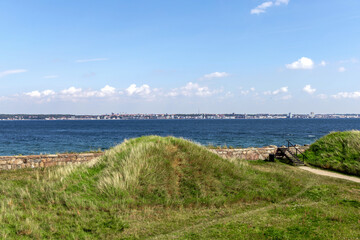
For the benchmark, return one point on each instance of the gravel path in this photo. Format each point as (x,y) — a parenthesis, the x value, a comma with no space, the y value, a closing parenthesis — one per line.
(331,174)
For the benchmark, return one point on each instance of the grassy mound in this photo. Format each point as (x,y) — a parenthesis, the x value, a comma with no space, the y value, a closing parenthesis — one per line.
(156,170)
(168,171)
(339,151)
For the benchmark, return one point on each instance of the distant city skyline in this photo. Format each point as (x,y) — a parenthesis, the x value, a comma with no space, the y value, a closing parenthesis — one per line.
(212,56)
(181,116)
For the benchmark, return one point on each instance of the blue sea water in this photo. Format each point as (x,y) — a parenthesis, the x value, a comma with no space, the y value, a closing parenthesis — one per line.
(36,137)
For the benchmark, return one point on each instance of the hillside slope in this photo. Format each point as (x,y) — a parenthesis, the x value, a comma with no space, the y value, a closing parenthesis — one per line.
(339,151)
(173,171)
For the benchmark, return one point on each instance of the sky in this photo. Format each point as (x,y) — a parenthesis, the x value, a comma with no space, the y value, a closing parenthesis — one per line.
(179,56)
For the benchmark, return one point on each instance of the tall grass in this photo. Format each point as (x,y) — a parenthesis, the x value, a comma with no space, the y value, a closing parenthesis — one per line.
(339,151)
(171,171)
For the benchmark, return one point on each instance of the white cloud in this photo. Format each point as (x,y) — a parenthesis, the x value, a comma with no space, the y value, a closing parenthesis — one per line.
(279,2)
(353,95)
(302,63)
(38,94)
(265,5)
(280,90)
(76,93)
(308,89)
(91,60)
(261,8)
(9,72)
(277,91)
(107,90)
(48,92)
(50,76)
(35,93)
(173,93)
(71,91)
(246,92)
(192,89)
(141,91)
(323,63)
(216,75)
(342,69)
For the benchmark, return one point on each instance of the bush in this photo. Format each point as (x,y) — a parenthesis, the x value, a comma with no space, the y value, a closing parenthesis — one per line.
(339,151)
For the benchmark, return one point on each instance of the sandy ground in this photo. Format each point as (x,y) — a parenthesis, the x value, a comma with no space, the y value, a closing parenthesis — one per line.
(330,174)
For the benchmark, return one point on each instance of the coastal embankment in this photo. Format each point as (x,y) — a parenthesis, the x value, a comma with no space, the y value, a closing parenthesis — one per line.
(36,161)
(253,153)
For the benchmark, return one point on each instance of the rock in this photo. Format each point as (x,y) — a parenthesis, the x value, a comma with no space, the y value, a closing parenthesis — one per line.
(36,160)
(18,161)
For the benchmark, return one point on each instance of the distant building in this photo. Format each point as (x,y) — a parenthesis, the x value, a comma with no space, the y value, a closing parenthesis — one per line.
(312,115)
(290,115)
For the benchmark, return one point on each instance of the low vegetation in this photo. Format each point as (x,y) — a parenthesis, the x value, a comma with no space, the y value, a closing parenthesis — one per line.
(339,151)
(163,188)
(221,147)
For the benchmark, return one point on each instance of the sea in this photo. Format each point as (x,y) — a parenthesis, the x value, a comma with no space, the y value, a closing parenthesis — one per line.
(50,137)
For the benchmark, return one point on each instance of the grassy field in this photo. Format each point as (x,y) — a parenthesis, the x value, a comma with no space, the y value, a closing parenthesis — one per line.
(338,151)
(165,188)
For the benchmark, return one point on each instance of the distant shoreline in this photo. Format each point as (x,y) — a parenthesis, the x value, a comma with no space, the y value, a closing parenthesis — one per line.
(185,119)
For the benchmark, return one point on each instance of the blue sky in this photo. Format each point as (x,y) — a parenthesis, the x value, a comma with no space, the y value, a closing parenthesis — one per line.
(214,56)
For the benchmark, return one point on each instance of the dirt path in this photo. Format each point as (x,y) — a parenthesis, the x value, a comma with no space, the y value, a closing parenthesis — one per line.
(330,174)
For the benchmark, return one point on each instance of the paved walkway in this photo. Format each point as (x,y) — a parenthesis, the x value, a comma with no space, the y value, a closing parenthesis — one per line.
(331,174)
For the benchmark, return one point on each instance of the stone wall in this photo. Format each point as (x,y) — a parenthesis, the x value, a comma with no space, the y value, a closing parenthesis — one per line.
(33,161)
(252,153)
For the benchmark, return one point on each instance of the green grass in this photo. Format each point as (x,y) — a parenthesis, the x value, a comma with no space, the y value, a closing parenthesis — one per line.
(338,151)
(163,188)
